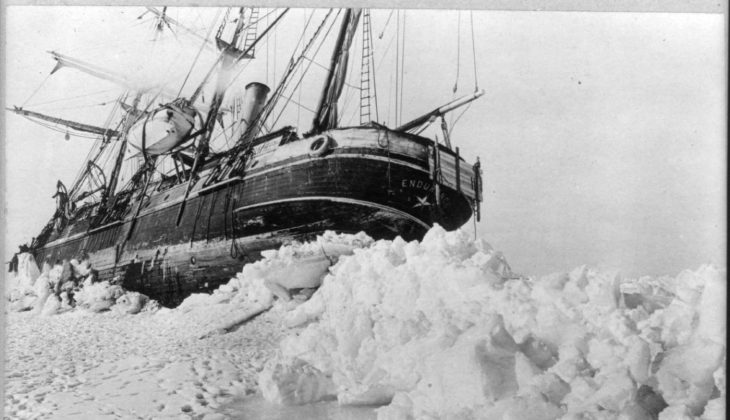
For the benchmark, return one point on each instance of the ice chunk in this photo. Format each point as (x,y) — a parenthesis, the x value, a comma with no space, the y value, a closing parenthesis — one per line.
(638,359)
(616,392)
(98,297)
(715,409)
(478,369)
(131,302)
(51,306)
(294,382)
(676,412)
(531,407)
(719,376)
(685,376)
(713,306)
(20,283)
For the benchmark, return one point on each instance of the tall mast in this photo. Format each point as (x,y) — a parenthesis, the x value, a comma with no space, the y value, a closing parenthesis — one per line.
(230,55)
(129,119)
(228,58)
(326,116)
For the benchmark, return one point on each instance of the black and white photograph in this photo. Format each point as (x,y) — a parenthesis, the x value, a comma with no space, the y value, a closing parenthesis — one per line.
(351,211)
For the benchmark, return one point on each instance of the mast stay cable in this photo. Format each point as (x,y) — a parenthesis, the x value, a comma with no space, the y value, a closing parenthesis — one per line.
(269,107)
(304,71)
(402,66)
(458,51)
(474,51)
(37,89)
(397,63)
(202,47)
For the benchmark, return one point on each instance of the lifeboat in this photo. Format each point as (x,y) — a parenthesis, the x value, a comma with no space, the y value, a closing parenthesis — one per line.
(163,130)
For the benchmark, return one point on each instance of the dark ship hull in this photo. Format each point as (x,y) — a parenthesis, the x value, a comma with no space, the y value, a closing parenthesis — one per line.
(383,182)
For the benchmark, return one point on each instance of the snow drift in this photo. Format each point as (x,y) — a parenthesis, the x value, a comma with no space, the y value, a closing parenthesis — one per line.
(434,330)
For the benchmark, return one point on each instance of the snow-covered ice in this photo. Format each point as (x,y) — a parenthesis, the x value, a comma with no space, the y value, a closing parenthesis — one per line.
(81,365)
(436,329)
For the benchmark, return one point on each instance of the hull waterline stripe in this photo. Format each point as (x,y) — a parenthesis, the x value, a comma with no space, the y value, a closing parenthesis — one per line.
(338,200)
(342,155)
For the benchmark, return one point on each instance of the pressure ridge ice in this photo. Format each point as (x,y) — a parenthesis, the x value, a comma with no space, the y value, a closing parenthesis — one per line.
(436,329)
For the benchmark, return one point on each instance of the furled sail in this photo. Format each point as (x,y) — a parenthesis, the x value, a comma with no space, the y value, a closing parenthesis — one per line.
(326,116)
(106,132)
(101,73)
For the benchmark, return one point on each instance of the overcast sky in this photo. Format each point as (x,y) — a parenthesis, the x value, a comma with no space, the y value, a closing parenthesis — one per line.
(602,135)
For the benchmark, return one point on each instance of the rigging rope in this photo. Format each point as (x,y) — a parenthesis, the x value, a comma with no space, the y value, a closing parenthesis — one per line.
(390,83)
(304,36)
(37,89)
(99,146)
(372,64)
(202,46)
(397,63)
(385,51)
(68,99)
(268,108)
(386,25)
(453,123)
(403,66)
(79,106)
(264,38)
(474,52)
(458,51)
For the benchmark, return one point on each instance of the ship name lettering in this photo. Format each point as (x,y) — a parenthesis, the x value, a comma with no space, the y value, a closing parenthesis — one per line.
(418,184)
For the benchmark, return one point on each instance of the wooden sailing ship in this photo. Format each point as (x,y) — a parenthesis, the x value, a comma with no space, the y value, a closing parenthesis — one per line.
(172,233)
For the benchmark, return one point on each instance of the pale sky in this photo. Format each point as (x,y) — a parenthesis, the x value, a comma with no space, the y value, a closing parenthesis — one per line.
(602,136)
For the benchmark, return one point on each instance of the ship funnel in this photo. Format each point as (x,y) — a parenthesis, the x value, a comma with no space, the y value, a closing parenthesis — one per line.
(253,101)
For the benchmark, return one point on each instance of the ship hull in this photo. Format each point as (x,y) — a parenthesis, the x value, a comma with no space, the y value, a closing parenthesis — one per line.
(222,228)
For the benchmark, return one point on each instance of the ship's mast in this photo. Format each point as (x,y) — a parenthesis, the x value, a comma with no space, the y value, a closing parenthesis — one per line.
(229,57)
(326,116)
(255,127)
(129,119)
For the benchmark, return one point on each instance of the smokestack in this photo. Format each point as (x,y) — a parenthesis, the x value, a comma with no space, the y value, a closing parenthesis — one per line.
(254,99)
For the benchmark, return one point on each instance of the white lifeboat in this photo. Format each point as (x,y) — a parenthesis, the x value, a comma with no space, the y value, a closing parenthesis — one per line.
(167,128)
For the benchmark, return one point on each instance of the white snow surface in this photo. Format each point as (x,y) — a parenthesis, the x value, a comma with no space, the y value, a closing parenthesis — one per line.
(429,330)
